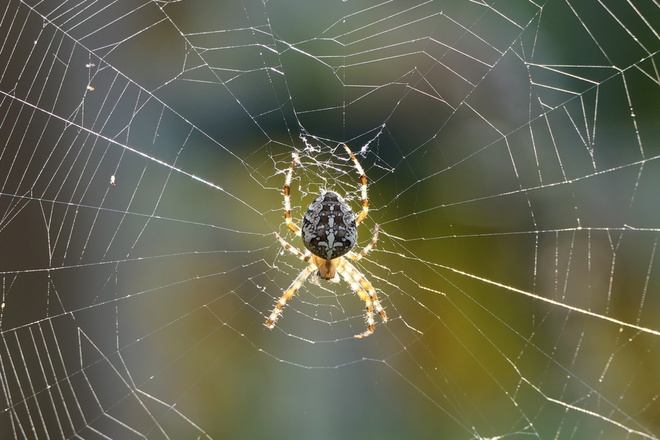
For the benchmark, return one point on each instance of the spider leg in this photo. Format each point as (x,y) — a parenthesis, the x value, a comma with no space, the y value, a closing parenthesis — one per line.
(355,257)
(365,290)
(288,293)
(363,181)
(369,288)
(291,248)
(287,198)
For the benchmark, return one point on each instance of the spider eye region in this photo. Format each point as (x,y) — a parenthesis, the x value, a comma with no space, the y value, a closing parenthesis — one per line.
(328,228)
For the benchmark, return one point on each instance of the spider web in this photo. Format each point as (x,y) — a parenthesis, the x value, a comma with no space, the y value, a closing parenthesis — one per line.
(511,151)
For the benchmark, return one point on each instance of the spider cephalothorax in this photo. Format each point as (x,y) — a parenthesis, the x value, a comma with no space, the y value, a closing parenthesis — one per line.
(329,232)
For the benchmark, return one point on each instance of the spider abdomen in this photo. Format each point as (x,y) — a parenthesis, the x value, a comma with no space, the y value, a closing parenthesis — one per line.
(328,228)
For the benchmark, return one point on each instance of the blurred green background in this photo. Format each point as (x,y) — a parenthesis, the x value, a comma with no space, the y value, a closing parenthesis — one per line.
(511,155)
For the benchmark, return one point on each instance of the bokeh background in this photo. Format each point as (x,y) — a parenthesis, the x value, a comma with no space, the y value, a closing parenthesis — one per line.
(511,151)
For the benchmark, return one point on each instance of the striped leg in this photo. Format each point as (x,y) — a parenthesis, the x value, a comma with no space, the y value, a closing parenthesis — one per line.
(363,181)
(295,286)
(287,198)
(288,293)
(365,290)
(355,257)
(291,248)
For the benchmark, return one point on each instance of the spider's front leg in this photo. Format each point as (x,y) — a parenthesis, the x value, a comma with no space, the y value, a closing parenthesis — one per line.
(297,283)
(288,293)
(365,290)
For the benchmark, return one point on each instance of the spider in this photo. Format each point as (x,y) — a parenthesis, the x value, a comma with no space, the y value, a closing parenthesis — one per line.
(329,232)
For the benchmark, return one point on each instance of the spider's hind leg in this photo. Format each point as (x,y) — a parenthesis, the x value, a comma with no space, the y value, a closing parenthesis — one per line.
(363,186)
(287,197)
